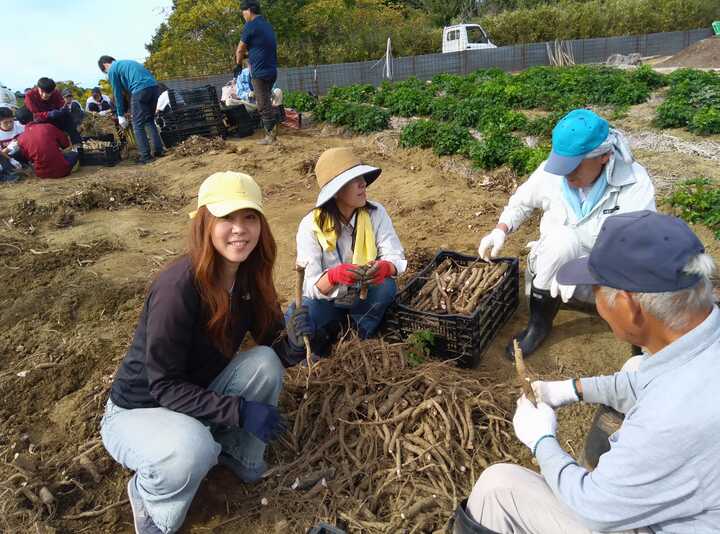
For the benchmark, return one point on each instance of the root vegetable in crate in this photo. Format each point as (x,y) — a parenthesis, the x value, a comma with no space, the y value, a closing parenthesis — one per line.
(456,288)
(462,300)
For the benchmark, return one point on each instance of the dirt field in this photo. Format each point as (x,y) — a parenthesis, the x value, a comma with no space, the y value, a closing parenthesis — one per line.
(76,255)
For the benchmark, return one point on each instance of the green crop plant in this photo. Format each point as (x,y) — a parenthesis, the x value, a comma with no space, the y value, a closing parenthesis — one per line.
(420,345)
(420,133)
(698,201)
(524,160)
(494,149)
(299,101)
(450,138)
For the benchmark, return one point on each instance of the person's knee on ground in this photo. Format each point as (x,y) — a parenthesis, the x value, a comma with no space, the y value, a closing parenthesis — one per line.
(557,246)
(180,468)
(369,314)
(261,376)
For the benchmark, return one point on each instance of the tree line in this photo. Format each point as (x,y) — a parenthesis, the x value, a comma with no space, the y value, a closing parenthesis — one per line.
(200,36)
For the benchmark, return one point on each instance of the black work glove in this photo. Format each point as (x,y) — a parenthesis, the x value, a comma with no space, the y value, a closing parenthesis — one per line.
(261,420)
(300,324)
(57,113)
(237,70)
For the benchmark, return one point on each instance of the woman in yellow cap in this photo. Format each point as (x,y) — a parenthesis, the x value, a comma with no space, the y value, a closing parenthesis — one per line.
(184,398)
(342,232)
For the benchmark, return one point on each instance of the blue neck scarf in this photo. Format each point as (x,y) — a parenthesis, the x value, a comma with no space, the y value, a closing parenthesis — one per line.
(572,196)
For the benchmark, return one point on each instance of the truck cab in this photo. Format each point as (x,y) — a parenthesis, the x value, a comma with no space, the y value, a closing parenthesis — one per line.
(465,37)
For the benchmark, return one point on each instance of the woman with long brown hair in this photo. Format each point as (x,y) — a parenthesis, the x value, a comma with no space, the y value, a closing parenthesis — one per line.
(184,397)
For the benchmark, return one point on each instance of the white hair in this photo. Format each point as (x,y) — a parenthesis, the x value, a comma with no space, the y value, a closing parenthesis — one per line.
(674,308)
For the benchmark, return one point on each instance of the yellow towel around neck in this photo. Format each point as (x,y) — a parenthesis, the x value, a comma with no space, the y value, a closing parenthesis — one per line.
(365,248)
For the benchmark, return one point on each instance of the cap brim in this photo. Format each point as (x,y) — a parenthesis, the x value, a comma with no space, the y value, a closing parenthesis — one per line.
(562,165)
(577,273)
(220,209)
(336,184)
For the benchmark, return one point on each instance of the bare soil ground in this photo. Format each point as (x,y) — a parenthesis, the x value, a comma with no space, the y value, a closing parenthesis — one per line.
(76,255)
(705,53)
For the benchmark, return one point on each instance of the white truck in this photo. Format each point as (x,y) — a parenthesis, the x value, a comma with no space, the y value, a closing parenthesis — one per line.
(465,37)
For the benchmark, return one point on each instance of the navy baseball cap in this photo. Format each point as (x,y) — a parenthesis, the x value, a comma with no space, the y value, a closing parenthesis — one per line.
(578,133)
(640,251)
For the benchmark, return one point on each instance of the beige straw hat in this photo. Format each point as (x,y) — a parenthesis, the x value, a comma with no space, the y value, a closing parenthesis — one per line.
(338,166)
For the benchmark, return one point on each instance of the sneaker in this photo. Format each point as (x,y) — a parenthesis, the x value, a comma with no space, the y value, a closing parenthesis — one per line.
(159,154)
(144,161)
(142,521)
(246,474)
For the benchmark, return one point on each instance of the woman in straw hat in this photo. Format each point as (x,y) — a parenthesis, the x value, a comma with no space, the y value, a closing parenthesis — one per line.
(345,231)
(184,398)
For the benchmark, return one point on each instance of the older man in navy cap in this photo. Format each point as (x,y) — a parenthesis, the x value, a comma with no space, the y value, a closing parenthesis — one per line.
(652,284)
(589,176)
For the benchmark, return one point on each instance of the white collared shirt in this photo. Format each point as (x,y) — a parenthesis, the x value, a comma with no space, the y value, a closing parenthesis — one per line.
(317,261)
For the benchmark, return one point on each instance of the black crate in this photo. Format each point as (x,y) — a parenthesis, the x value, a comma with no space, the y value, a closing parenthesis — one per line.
(460,337)
(173,137)
(108,156)
(202,95)
(238,121)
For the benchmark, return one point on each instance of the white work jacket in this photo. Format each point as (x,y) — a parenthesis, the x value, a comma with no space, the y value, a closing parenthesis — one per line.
(317,261)
(629,189)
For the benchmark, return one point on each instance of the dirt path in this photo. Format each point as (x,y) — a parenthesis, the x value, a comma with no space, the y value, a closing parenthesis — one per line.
(76,255)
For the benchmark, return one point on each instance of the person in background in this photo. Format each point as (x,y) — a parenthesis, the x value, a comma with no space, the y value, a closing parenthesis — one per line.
(186,395)
(652,282)
(259,43)
(163,102)
(245,91)
(342,232)
(7,98)
(131,76)
(73,106)
(42,144)
(47,105)
(589,176)
(10,130)
(99,103)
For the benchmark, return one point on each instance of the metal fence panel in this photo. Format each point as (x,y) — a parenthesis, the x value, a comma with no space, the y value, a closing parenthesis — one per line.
(318,79)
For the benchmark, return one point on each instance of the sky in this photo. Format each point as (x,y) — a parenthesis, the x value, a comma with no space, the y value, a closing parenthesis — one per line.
(64,39)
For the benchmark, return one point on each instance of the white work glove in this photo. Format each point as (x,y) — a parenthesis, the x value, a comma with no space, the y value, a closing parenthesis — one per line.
(251,94)
(494,241)
(557,289)
(555,393)
(533,423)
(123,122)
(15,163)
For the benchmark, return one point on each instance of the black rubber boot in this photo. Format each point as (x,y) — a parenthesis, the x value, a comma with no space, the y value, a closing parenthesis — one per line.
(543,309)
(463,523)
(605,423)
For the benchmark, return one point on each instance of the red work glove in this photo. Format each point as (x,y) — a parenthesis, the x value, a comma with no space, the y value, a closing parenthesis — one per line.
(343,274)
(380,270)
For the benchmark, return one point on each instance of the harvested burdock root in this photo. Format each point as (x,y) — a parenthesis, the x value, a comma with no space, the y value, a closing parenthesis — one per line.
(458,289)
(384,446)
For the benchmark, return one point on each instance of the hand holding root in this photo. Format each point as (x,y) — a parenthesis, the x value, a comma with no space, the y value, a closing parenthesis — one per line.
(299,282)
(523,374)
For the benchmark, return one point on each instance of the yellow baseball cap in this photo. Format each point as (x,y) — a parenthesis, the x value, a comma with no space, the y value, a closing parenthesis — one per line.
(225,192)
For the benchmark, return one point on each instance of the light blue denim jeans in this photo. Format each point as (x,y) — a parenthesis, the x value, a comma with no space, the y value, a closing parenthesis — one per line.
(171,452)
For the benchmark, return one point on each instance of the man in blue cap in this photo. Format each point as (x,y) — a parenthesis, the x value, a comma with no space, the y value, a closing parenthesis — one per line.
(589,176)
(652,284)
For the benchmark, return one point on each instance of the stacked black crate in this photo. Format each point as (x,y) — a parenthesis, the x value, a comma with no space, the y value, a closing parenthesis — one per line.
(191,112)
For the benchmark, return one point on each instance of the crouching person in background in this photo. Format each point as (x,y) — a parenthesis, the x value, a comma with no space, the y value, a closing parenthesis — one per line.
(652,284)
(590,175)
(184,397)
(42,145)
(342,233)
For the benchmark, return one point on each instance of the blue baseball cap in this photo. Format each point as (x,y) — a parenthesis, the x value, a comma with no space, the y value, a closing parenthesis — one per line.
(578,133)
(639,251)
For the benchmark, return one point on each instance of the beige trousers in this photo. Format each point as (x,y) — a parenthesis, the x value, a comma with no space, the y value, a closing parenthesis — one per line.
(510,499)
